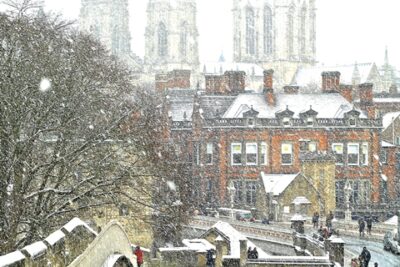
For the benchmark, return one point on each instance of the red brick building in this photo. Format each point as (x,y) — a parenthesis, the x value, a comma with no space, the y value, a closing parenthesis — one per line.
(228,133)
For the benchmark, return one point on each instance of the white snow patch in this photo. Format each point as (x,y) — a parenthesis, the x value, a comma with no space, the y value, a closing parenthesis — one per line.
(277,183)
(75,222)
(171,185)
(35,248)
(11,258)
(55,237)
(392,221)
(45,85)
(198,244)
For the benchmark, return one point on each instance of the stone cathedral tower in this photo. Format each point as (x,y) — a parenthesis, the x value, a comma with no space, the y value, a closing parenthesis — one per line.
(278,34)
(171,36)
(108,20)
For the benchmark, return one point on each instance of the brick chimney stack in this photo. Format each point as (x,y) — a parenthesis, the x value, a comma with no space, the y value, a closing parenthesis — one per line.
(173,79)
(367,99)
(268,87)
(330,81)
(231,82)
(346,90)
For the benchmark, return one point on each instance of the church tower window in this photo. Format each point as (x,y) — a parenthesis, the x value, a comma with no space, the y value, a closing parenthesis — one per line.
(250,32)
(302,35)
(290,37)
(267,30)
(184,39)
(162,40)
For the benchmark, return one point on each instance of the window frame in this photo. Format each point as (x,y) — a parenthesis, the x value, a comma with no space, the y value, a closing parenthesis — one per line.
(256,154)
(233,153)
(291,154)
(366,154)
(342,154)
(209,155)
(264,153)
(358,154)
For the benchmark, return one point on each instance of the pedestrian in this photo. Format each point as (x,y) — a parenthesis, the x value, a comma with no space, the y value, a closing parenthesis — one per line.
(329,219)
(210,258)
(249,253)
(369,225)
(375,264)
(255,253)
(365,257)
(354,262)
(315,220)
(361,226)
(139,256)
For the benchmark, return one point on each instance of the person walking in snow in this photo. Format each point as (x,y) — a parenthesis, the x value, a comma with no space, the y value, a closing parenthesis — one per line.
(369,225)
(361,226)
(365,257)
(315,220)
(139,256)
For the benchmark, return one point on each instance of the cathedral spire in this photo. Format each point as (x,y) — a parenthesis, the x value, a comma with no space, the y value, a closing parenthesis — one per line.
(386,56)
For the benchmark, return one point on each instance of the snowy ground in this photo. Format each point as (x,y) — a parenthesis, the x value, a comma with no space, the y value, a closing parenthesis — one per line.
(385,259)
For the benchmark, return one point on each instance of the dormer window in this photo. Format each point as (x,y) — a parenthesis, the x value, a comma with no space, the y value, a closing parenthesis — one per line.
(286,122)
(352,122)
(310,122)
(250,122)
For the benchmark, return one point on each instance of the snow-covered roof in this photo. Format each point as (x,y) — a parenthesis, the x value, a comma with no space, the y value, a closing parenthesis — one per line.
(75,222)
(36,248)
(234,237)
(55,237)
(198,244)
(218,68)
(387,99)
(297,217)
(392,221)
(386,144)
(388,118)
(327,105)
(311,76)
(11,258)
(277,183)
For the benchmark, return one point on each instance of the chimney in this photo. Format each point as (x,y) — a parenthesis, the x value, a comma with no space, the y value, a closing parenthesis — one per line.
(291,89)
(179,79)
(367,99)
(236,81)
(215,85)
(268,79)
(161,82)
(346,91)
(330,81)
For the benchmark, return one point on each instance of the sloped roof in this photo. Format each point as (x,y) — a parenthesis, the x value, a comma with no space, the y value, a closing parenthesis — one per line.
(386,144)
(277,183)
(331,105)
(388,118)
(311,76)
(234,237)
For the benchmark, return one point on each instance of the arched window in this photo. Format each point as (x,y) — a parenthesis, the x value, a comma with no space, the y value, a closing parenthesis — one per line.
(183,39)
(290,38)
(250,32)
(302,34)
(267,30)
(312,31)
(162,40)
(115,41)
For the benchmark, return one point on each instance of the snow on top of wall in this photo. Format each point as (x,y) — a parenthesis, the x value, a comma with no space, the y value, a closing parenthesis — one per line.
(11,258)
(198,244)
(386,144)
(234,238)
(55,237)
(35,248)
(277,183)
(75,222)
(327,105)
(388,118)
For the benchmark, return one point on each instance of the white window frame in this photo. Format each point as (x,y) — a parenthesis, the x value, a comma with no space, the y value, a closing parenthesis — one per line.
(358,154)
(256,154)
(233,153)
(286,122)
(397,140)
(334,152)
(209,151)
(291,153)
(310,144)
(264,152)
(366,154)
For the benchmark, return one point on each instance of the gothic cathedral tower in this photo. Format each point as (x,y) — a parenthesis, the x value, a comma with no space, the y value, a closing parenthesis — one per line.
(171,36)
(109,22)
(278,34)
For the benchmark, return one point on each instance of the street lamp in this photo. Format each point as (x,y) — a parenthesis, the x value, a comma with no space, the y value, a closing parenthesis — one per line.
(347,191)
(232,190)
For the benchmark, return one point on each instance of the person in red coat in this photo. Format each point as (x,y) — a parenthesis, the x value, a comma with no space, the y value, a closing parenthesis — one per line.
(139,256)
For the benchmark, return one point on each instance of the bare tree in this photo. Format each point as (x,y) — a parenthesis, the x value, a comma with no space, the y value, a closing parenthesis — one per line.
(64,145)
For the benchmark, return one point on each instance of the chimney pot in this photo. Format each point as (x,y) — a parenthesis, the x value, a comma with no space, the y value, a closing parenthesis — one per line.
(330,81)
(268,79)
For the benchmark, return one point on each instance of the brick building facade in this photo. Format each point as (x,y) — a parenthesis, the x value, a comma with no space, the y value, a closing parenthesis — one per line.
(226,133)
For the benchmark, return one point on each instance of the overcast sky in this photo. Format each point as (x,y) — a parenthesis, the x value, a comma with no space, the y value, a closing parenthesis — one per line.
(347,30)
